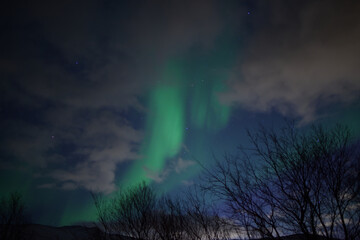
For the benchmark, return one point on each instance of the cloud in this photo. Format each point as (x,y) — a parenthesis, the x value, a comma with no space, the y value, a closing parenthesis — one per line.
(76,149)
(156,176)
(93,176)
(187,183)
(166,28)
(181,165)
(69,186)
(299,60)
(47,185)
(101,145)
(178,165)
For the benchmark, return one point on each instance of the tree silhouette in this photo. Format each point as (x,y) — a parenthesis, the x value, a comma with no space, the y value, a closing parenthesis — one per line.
(12,217)
(171,221)
(139,213)
(289,183)
(203,218)
(129,213)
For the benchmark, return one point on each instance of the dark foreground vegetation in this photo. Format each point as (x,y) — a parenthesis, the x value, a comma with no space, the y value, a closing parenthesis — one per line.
(292,183)
(286,185)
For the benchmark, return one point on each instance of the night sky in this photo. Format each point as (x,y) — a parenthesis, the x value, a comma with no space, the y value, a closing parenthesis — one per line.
(97,95)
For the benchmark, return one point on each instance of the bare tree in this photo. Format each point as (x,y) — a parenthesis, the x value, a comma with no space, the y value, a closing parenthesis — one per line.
(289,182)
(171,222)
(203,217)
(12,217)
(129,213)
(138,213)
(339,165)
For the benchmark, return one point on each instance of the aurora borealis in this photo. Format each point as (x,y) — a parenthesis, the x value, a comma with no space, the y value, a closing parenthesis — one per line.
(165,124)
(99,95)
(169,111)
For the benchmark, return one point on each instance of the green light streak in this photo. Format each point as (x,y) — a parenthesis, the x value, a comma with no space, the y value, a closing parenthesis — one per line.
(186,96)
(165,125)
(206,110)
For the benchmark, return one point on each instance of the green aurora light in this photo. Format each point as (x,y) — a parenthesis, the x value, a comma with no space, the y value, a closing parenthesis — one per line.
(185,97)
(165,125)
(176,104)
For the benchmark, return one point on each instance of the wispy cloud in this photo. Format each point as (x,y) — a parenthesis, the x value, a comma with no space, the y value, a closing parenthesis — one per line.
(178,165)
(103,143)
(182,164)
(300,60)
